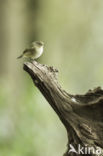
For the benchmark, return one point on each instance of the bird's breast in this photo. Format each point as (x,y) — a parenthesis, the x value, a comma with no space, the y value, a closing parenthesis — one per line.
(38,52)
(41,50)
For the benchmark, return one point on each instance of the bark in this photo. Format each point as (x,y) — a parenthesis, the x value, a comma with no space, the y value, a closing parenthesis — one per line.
(82,115)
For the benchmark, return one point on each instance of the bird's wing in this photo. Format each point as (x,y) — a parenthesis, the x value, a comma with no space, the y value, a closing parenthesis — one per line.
(29,52)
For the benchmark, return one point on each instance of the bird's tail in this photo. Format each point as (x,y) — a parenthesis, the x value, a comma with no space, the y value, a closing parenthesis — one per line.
(20,57)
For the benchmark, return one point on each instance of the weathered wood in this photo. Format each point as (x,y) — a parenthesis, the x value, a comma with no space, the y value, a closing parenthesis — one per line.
(82,115)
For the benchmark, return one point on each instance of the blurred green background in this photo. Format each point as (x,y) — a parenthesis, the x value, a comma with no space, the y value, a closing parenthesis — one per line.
(73,35)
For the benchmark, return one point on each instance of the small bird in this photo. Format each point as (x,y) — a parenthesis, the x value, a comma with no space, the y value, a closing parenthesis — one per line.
(34,51)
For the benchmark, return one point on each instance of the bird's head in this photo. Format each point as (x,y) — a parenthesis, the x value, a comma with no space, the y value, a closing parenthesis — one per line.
(38,43)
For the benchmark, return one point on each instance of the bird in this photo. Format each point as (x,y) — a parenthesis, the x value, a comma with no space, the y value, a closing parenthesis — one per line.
(34,51)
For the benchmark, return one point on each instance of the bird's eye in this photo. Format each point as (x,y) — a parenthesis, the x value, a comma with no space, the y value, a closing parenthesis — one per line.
(39,43)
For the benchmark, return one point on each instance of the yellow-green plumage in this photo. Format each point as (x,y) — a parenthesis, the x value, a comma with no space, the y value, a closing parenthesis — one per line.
(29,52)
(34,51)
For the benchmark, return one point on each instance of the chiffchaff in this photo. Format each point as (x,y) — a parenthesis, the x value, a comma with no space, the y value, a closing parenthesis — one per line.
(35,50)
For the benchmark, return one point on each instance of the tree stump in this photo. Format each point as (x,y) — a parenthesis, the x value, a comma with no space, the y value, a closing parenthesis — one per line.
(82,115)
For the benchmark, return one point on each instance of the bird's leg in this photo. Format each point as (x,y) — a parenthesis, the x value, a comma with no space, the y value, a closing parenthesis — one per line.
(30,59)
